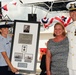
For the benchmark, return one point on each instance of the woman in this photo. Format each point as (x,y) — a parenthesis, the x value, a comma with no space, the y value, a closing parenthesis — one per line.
(5,46)
(57,53)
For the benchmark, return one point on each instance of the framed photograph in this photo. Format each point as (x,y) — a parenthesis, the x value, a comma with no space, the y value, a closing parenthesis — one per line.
(25,45)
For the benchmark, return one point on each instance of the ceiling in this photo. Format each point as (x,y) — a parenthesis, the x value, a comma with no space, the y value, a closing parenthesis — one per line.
(56,5)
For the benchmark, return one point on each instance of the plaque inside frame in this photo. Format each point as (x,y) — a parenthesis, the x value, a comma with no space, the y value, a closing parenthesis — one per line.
(25,45)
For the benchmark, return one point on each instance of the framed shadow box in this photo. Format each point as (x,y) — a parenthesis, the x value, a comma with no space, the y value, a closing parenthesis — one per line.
(25,45)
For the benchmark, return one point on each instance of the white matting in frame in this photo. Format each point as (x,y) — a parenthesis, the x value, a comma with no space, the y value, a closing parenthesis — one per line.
(25,45)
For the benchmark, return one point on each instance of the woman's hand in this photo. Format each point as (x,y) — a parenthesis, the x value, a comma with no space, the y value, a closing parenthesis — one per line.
(14,70)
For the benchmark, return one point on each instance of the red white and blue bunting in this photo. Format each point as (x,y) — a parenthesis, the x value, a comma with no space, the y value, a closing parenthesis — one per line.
(47,22)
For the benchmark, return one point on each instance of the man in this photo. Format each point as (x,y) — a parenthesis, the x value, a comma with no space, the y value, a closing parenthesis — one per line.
(71,32)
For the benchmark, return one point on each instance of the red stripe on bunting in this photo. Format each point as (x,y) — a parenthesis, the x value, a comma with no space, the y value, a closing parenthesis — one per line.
(60,20)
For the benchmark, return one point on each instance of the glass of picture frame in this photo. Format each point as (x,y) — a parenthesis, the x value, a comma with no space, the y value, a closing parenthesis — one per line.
(25,45)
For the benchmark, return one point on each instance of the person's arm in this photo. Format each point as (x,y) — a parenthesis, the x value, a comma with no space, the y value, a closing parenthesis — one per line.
(4,54)
(48,62)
